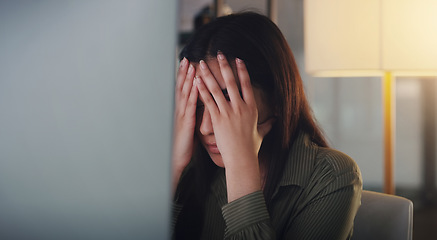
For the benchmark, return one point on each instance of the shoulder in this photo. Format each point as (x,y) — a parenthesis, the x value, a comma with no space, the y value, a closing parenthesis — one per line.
(308,162)
(336,169)
(338,162)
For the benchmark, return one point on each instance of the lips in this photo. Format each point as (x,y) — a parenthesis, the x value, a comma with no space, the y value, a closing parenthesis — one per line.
(212,148)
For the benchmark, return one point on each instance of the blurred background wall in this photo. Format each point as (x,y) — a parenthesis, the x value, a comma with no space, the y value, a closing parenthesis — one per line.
(350,112)
(86,94)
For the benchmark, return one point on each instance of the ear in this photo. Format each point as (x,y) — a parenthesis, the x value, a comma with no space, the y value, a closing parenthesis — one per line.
(265,127)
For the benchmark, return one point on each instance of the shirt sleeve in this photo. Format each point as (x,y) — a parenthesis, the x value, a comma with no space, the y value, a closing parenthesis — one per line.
(176,210)
(248,218)
(178,200)
(333,198)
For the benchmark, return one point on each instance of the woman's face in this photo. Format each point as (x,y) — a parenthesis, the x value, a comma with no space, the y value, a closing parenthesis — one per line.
(204,128)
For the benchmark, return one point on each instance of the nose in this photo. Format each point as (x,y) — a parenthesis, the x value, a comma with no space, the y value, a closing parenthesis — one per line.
(206,123)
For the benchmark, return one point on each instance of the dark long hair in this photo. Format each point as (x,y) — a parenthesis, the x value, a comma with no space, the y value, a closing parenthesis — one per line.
(260,44)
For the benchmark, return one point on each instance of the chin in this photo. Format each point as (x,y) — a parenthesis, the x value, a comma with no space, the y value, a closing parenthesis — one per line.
(217,159)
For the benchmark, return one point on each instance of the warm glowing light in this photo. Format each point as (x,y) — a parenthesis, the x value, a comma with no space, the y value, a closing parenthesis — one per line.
(365,37)
(387,38)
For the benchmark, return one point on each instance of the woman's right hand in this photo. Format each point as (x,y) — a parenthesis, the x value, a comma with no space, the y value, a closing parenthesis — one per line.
(184,123)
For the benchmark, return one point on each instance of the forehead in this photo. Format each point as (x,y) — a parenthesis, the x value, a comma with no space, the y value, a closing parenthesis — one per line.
(214,67)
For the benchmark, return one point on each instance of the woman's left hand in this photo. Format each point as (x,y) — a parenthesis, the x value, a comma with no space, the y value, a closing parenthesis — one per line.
(237,134)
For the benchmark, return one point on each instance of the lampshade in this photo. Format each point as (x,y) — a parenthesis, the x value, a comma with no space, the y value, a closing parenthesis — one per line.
(369,37)
(372,38)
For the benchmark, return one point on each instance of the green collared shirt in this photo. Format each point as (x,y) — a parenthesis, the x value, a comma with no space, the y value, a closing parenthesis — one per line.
(317,198)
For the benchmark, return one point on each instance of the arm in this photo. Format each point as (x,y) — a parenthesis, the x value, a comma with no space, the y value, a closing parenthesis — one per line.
(239,138)
(248,218)
(183,130)
(184,120)
(234,120)
(323,209)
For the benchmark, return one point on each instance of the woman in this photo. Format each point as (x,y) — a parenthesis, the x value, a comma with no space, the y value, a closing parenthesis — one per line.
(249,161)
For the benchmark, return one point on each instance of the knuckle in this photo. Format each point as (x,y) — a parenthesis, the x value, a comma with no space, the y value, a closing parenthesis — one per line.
(181,76)
(245,81)
(237,110)
(183,95)
(216,91)
(206,98)
(206,74)
(179,82)
(193,100)
(224,64)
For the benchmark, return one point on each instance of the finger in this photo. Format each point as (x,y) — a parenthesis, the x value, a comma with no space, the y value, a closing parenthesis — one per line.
(182,96)
(192,102)
(246,86)
(182,72)
(206,96)
(265,127)
(212,86)
(188,82)
(228,76)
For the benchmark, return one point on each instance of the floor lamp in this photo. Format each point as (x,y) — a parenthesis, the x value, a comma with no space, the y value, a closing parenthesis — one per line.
(386,38)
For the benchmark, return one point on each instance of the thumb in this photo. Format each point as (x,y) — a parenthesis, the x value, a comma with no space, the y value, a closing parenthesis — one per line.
(265,127)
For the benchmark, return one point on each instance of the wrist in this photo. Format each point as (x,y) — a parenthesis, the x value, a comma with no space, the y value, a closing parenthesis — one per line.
(242,179)
(241,160)
(176,175)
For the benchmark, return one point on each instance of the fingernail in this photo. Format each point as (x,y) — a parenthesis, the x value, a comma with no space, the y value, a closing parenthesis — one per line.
(183,62)
(239,61)
(220,55)
(202,64)
(190,69)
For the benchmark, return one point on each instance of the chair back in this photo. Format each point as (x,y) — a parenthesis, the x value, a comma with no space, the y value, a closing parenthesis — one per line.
(383,216)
